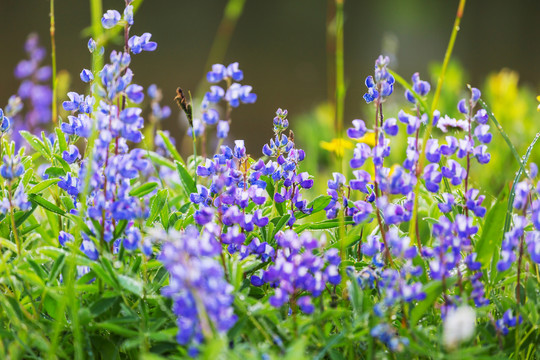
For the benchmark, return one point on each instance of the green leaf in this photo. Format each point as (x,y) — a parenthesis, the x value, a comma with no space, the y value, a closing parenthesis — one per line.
(22,216)
(132,285)
(117,329)
(351,238)
(120,227)
(55,171)
(57,267)
(36,144)
(318,204)
(158,201)
(433,290)
(185,177)
(170,146)
(102,305)
(160,160)
(37,269)
(143,189)
(61,139)
(47,205)
(280,223)
(62,162)
(323,225)
(42,186)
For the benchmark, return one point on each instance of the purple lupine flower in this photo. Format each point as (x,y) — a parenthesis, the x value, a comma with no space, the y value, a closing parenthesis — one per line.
(432,177)
(358,130)
(72,155)
(481,154)
(138,44)
(383,82)
(482,134)
(110,19)
(390,127)
(450,147)
(473,202)
(433,153)
(372,246)
(222,129)
(234,72)
(420,87)
(412,122)
(454,171)
(446,206)
(237,93)
(64,238)
(462,107)
(196,281)
(86,76)
(11,167)
(135,93)
(481,116)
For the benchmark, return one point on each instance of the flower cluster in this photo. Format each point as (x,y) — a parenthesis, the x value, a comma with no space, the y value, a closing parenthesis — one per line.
(202,298)
(111,167)
(234,94)
(298,272)
(10,170)
(284,170)
(388,193)
(516,238)
(34,93)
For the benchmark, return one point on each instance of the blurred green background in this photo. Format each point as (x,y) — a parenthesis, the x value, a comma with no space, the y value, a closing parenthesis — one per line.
(282,46)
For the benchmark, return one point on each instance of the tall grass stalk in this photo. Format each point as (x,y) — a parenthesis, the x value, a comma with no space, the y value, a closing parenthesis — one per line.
(53,65)
(414,219)
(220,44)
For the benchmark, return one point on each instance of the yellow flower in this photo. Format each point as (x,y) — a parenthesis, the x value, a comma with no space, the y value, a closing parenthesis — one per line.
(538,99)
(368,139)
(337,146)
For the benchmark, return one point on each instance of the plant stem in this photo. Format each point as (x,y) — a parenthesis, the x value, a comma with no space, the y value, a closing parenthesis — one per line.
(340,69)
(427,133)
(53,61)
(231,14)
(13,225)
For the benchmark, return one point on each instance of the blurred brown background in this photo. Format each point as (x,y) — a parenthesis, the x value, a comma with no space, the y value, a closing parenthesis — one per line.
(281,46)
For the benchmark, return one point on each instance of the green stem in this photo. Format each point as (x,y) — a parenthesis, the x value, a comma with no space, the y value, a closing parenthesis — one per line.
(231,14)
(53,60)
(340,69)
(427,133)
(13,225)
(340,106)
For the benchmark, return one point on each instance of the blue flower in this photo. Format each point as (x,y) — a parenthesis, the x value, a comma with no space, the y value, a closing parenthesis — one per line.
(433,153)
(87,76)
(222,129)
(71,155)
(234,72)
(11,168)
(217,73)
(358,130)
(135,93)
(91,45)
(137,44)
(128,14)
(432,177)
(110,19)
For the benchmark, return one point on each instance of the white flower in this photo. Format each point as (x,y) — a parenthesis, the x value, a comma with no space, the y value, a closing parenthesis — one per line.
(459,326)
